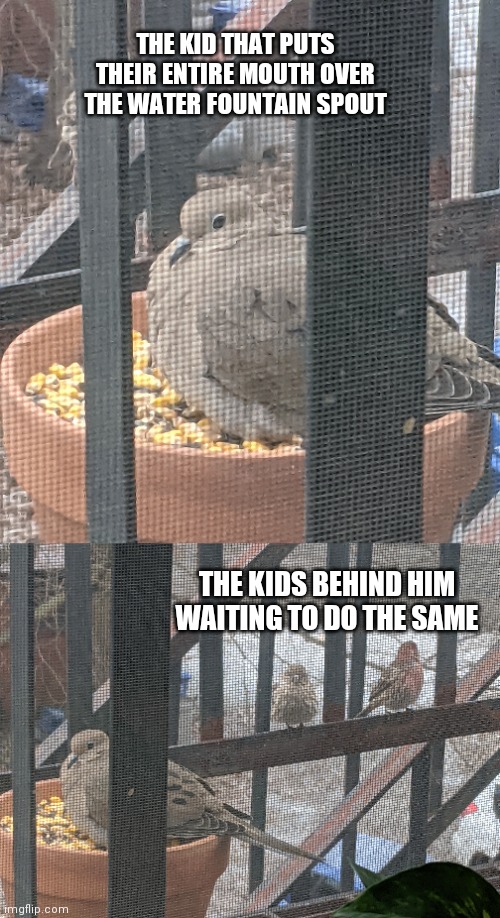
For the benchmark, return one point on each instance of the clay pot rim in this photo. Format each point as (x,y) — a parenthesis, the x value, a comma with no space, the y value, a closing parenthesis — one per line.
(35,415)
(101,852)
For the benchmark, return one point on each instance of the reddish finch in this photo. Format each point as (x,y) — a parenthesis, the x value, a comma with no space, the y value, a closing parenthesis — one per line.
(294,702)
(400,683)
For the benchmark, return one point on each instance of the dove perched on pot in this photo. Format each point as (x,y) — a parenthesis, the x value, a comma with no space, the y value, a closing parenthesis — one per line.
(226,312)
(294,698)
(193,808)
(400,684)
(226,308)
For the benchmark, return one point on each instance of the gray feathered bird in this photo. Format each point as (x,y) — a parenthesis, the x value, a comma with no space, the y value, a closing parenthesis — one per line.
(193,808)
(226,306)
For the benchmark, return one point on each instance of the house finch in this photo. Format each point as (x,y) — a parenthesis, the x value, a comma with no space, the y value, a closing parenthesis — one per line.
(400,683)
(226,311)
(193,809)
(294,700)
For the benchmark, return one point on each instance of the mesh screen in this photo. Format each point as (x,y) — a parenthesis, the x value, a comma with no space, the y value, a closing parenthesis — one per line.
(233,703)
(279,363)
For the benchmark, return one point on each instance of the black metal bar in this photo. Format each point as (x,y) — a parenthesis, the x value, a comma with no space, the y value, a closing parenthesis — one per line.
(446,675)
(353,737)
(334,676)
(419,809)
(481,281)
(22,646)
(78,581)
(140,636)
(35,298)
(174,699)
(170,143)
(263,703)
(367,285)
(450,810)
(440,165)
(106,240)
(211,557)
(462,234)
(353,762)
(301,167)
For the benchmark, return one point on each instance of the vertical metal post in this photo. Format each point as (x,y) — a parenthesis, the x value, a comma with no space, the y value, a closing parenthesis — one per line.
(140,637)
(367,283)
(481,282)
(446,676)
(440,165)
(334,678)
(419,809)
(301,168)
(22,643)
(210,557)
(106,242)
(263,703)
(170,161)
(353,762)
(78,582)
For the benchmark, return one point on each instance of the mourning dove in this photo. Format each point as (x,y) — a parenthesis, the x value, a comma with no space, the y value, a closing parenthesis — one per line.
(400,684)
(294,699)
(226,306)
(193,809)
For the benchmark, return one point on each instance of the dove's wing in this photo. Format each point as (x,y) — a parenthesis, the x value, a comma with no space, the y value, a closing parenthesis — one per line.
(193,809)
(461,376)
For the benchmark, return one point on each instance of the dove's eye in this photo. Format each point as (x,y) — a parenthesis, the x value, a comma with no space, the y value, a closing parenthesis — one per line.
(218,221)
(90,745)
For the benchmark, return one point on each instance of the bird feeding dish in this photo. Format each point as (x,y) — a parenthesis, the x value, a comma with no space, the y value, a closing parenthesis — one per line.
(77,881)
(185,494)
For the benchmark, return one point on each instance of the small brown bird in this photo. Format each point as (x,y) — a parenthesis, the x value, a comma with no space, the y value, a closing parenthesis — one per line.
(193,809)
(400,683)
(294,702)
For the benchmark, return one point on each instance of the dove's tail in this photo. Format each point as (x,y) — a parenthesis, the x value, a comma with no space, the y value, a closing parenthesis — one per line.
(255,836)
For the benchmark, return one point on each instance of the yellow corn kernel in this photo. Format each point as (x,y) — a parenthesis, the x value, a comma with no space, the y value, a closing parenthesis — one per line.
(141,360)
(146,381)
(170,437)
(74,411)
(67,388)
(74,369)
(57,369)
(35,384)
(62,401)
(51,381)
(253,446)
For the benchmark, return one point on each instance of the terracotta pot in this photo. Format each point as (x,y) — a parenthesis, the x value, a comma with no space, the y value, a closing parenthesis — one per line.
(184,495)
(79,879)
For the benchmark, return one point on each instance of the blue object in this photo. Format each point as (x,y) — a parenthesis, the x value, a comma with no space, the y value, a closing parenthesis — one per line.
(495,441)
(48,720)
(372,852)
(23,101)
(185,678)
(225,10)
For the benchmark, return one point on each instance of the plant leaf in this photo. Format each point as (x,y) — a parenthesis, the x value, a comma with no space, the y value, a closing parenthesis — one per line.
(367,877)
(436,890)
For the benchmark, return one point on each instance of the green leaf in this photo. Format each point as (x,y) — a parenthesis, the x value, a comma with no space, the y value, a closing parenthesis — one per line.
(437,890)
(367,877)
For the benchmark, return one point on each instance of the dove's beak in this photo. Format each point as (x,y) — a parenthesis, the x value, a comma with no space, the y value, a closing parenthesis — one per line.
(73,759)
(183,246)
